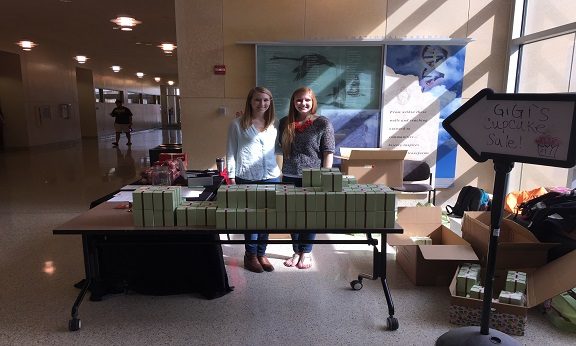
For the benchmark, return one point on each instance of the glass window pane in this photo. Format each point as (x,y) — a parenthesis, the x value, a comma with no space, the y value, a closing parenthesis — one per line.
(133,97)
(148,99)
(110,96)
(546,65)
(547,14)
(98,95)
(573,75)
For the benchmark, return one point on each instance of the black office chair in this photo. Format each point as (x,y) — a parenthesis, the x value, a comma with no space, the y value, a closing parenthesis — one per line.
(414,173)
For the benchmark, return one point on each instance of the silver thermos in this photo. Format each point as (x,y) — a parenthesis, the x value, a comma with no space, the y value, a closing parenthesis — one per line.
(220,164)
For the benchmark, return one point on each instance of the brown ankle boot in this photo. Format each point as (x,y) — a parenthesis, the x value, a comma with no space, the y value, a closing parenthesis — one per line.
(266,265)
(252,264)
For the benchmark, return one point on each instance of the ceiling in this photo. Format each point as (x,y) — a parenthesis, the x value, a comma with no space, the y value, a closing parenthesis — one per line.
(83,27)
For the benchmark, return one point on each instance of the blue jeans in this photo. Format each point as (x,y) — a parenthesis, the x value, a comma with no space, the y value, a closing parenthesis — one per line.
(254,248)
(306,248)
(297,247)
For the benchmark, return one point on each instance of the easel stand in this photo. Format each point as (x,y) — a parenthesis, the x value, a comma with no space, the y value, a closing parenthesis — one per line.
(486,336)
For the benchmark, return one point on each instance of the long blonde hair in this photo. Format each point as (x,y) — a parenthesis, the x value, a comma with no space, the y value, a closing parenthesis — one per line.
(269,115)
(288,133)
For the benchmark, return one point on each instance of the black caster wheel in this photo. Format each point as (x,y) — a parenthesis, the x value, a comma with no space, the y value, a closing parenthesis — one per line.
(74,324)
(356,285)
(392,323)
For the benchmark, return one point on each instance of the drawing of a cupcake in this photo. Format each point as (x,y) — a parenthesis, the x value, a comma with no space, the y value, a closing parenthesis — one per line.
(547,146)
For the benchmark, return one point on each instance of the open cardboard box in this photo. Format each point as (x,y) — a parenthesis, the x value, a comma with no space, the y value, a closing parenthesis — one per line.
(518,248)
(429,264)
(374,165)
(542,283)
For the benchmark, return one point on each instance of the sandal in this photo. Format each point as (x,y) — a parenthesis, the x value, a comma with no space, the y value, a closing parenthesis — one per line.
(305,261)
(292,261)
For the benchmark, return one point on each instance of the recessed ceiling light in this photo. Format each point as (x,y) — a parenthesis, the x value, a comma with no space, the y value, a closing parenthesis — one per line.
(116,68)
(167,47)
(26,45)
(81,58)
(139,74)
(125,23)
(170,82)
(157,79)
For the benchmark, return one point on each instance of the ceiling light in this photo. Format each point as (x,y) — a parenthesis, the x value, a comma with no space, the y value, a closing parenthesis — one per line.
(26,45)
(168,48)
(116,68)
(157,79)
(139,74)
(125,23)
(81,58)
(170,82)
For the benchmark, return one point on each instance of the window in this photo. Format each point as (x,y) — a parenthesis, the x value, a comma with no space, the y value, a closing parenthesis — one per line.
(547,14)
(110,96)
(98,95)
(133,97)
(542,61)
(150,99)
(546,65)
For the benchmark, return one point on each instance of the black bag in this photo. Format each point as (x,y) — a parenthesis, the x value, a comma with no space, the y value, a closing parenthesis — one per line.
(552,219)
(528,208)
(470,198)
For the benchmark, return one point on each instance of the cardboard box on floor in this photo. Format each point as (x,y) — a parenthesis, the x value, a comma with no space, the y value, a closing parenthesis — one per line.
(374,165)
(518,248)
(543,283)
(429,264)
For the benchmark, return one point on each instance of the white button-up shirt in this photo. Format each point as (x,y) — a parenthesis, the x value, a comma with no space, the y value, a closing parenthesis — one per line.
(250,153)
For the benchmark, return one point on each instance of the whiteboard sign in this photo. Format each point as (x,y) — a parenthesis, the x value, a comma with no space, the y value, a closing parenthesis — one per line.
(530,128)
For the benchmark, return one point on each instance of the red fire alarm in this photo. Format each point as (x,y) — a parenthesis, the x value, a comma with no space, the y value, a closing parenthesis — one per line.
(219,69)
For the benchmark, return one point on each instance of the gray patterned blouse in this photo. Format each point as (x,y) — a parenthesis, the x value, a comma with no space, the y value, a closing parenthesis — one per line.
(308,146)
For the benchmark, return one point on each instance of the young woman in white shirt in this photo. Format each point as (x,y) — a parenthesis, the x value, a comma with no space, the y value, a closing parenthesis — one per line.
(250,159)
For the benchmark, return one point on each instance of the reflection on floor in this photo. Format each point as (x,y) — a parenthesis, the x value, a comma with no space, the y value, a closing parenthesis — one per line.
(44,187)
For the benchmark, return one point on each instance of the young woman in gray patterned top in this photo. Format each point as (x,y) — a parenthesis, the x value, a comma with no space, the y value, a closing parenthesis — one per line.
(305,140)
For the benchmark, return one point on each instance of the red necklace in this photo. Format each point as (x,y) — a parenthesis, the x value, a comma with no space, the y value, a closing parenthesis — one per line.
(300,127)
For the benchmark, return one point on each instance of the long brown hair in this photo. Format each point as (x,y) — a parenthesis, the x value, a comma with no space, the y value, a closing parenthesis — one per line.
(288,133)
(269,115)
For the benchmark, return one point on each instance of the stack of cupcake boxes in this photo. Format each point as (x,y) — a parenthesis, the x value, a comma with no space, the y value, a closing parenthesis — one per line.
(509,302)
(327,200)
(155,205)
(468,285)
(518,249)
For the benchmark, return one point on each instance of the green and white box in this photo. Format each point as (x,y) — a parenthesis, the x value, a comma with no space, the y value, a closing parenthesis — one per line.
(241,218)
(281,201)
(290,220)
(271,217)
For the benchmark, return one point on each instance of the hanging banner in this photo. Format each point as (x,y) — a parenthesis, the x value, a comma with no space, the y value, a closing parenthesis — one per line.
(423,86)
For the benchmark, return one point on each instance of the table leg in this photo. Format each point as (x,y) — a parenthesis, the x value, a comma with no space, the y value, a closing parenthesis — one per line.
(391,321)
(376,265)
(75,323)
(379,271)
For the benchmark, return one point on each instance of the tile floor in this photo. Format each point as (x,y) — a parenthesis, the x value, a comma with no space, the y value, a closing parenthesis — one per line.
(43,187)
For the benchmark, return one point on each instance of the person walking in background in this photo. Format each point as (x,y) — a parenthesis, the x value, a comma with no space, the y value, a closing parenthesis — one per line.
(250,159)
(122,122)
(305,140)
